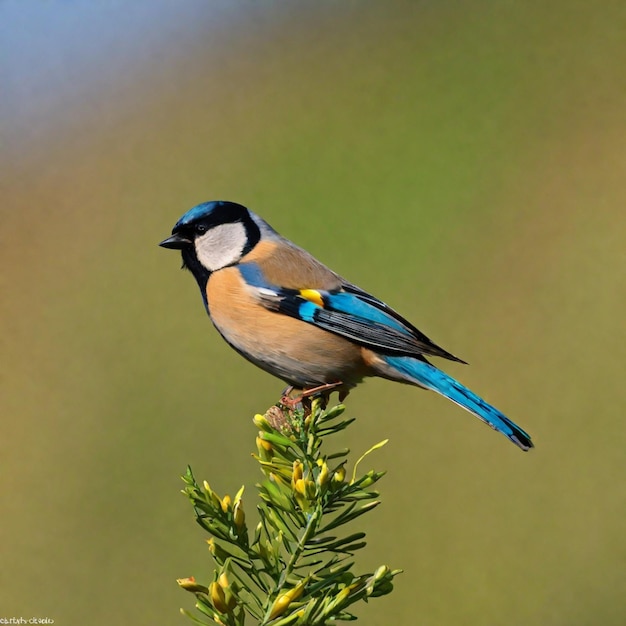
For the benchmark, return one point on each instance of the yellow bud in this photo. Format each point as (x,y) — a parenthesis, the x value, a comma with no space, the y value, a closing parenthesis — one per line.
(229,598)
(260,421)
(300,486)
(239,494)
(340,474)
(263,444)
(297,471)
(239,516)
(207,487)
(343,594)
(226,502)
(280,606)
(296,592)
(218,597)
(283,601)
(322,477)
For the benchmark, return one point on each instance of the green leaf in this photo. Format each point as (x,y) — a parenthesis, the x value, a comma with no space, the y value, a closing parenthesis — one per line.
(346,617)
(330,414)
(349,515)
(340,544)
(335,428)
(277,439)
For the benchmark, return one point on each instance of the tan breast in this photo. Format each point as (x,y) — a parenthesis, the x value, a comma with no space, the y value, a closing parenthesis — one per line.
(291,349)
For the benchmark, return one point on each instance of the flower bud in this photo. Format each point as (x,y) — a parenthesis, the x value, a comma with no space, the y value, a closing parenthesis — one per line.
(260,421)
(239,516)
(226,502)
(322,477)
(339,475)
(218,597)
(300,486)
(190,584)
(297,471)
(284,600)
(342,595)
(263,444)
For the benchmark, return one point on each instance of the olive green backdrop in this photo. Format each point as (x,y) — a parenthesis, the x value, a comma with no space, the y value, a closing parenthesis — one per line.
(463,161)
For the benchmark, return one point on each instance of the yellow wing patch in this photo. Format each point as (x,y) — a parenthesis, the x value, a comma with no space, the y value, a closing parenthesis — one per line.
(312,296)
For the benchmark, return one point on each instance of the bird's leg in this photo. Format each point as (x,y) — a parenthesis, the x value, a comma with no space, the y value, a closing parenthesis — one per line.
(322,390)
(325,390)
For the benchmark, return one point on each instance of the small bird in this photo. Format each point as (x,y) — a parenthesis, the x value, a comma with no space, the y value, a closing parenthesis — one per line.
(295,318)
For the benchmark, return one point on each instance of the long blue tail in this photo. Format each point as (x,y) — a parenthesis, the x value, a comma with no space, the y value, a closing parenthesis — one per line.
(432,378)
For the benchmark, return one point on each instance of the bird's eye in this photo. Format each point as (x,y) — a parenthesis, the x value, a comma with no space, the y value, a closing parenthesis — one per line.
(201,228)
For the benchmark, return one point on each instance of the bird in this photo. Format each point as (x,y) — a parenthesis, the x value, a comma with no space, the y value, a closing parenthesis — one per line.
(295,318)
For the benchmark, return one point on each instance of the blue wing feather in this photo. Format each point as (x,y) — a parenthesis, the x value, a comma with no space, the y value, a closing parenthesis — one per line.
(348,312)
(352,304)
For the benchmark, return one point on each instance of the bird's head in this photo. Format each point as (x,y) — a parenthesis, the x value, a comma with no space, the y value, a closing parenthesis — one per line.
(213,235)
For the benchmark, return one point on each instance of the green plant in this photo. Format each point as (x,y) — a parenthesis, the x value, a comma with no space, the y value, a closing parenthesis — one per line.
(294,568)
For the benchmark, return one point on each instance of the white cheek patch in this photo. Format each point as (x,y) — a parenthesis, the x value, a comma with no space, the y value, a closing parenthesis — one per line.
(221,246)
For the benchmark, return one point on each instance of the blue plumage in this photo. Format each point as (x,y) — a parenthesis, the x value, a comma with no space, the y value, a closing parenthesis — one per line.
(428,376)
(289,314)
(307,311)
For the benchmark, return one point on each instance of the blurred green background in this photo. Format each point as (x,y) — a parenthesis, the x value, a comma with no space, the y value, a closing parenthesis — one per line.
(463,161)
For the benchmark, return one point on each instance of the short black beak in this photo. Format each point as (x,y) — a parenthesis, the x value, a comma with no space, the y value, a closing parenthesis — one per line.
(176,242)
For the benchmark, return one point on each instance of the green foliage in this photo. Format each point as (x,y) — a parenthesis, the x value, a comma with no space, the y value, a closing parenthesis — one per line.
(295,567)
